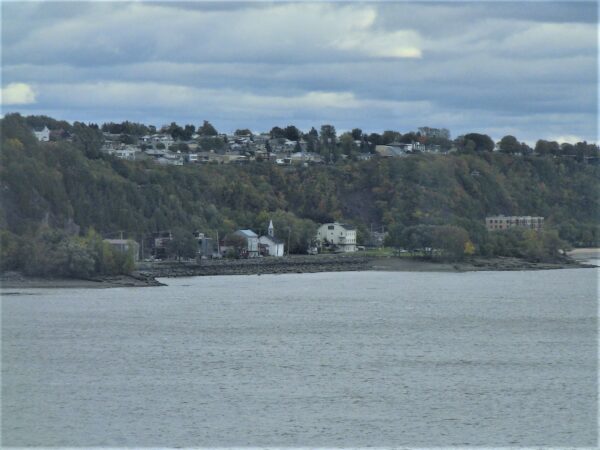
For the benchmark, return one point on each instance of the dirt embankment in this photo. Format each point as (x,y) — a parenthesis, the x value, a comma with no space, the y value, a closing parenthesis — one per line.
(15,280)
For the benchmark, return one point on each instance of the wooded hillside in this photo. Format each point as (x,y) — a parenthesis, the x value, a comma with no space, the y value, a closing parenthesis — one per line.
(65,186)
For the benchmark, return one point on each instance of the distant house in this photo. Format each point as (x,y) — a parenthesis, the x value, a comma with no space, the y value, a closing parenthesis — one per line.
(273,245)
(250,239)
(393,150)
(125,246)
(42,135)
(161,241)
(206,246)
(496,223)
(338,235)
(128,153)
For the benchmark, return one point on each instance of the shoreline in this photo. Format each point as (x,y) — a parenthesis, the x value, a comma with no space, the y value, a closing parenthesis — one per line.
(13,280)
(147,274)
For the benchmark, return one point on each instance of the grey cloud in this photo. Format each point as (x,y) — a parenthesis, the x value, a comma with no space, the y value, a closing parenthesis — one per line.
(528,68)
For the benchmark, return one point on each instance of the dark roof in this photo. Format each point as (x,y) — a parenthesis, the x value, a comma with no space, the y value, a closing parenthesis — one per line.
(274,239)
(347,227)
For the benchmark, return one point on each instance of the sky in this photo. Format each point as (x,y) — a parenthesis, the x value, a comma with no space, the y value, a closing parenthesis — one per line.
(529,69)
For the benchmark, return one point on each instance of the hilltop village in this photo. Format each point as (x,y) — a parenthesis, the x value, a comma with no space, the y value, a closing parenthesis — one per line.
(176,145)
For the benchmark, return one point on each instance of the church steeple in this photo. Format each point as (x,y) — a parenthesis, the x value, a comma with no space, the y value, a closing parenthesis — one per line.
(271,229)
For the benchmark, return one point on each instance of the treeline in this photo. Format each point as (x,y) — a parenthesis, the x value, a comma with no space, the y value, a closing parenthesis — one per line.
(55,252)
(326,142)
(72,187)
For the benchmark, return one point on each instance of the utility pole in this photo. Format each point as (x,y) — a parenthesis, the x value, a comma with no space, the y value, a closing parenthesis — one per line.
(289,234)
(218,244)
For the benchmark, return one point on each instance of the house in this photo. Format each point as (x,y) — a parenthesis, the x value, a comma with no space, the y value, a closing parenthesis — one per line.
(206,245)
(395,149)
(161,241)
(42,135)
(340,236)
(496,223)
(192,158)
(128,153)
(250,239)
(125,246)
(274,246)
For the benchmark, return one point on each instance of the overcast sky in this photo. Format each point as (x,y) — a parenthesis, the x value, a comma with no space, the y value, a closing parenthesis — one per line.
(529,68)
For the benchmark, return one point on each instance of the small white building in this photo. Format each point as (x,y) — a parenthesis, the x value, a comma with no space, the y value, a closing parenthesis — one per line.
(125,246)
(340,235)
(251,241)
(128,153)
(42,135)
(275,246)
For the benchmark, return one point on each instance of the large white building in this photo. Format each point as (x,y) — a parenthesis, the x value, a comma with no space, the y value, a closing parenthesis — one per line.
(339,235)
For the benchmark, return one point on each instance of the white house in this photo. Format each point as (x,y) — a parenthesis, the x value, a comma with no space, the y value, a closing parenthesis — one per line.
(342,236)
(251,239)
(274,245)
(42,135)
(128,153)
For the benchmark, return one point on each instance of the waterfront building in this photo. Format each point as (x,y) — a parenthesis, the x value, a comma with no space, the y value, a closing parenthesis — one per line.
(338,235)
(496,223)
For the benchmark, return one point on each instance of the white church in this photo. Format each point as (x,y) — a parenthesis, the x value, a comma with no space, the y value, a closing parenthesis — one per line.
(274,245)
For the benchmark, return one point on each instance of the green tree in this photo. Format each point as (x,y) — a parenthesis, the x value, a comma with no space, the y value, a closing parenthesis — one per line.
(207,129)
(183,244)
(292,133)
(510,144)
(483,143)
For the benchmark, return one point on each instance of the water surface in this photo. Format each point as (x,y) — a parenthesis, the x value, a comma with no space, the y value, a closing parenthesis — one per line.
(327,359)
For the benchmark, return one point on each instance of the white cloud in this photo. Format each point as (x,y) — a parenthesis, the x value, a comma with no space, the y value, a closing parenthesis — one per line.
(396,44)
(569,138)
(17,94)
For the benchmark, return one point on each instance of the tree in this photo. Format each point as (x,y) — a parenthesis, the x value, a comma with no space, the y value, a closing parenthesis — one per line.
(292,133)
(89,139)
(347,144)
(328,135)
(452,241)
(183,244)
(127,139)
(243,132)
(357,134)
(543,147)
(509,144)
(375,139)
(207,129)
(188,131)
(483,143)
(390,136)
(277,133)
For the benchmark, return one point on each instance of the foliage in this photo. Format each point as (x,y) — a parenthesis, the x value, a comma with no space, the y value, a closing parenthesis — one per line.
(183,244)
(207,129)
(68,187)
(52,252)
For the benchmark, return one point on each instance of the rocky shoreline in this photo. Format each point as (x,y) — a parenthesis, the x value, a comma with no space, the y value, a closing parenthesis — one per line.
(147,273)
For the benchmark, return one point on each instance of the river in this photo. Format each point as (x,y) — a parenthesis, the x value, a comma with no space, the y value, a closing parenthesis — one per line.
(345,359)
